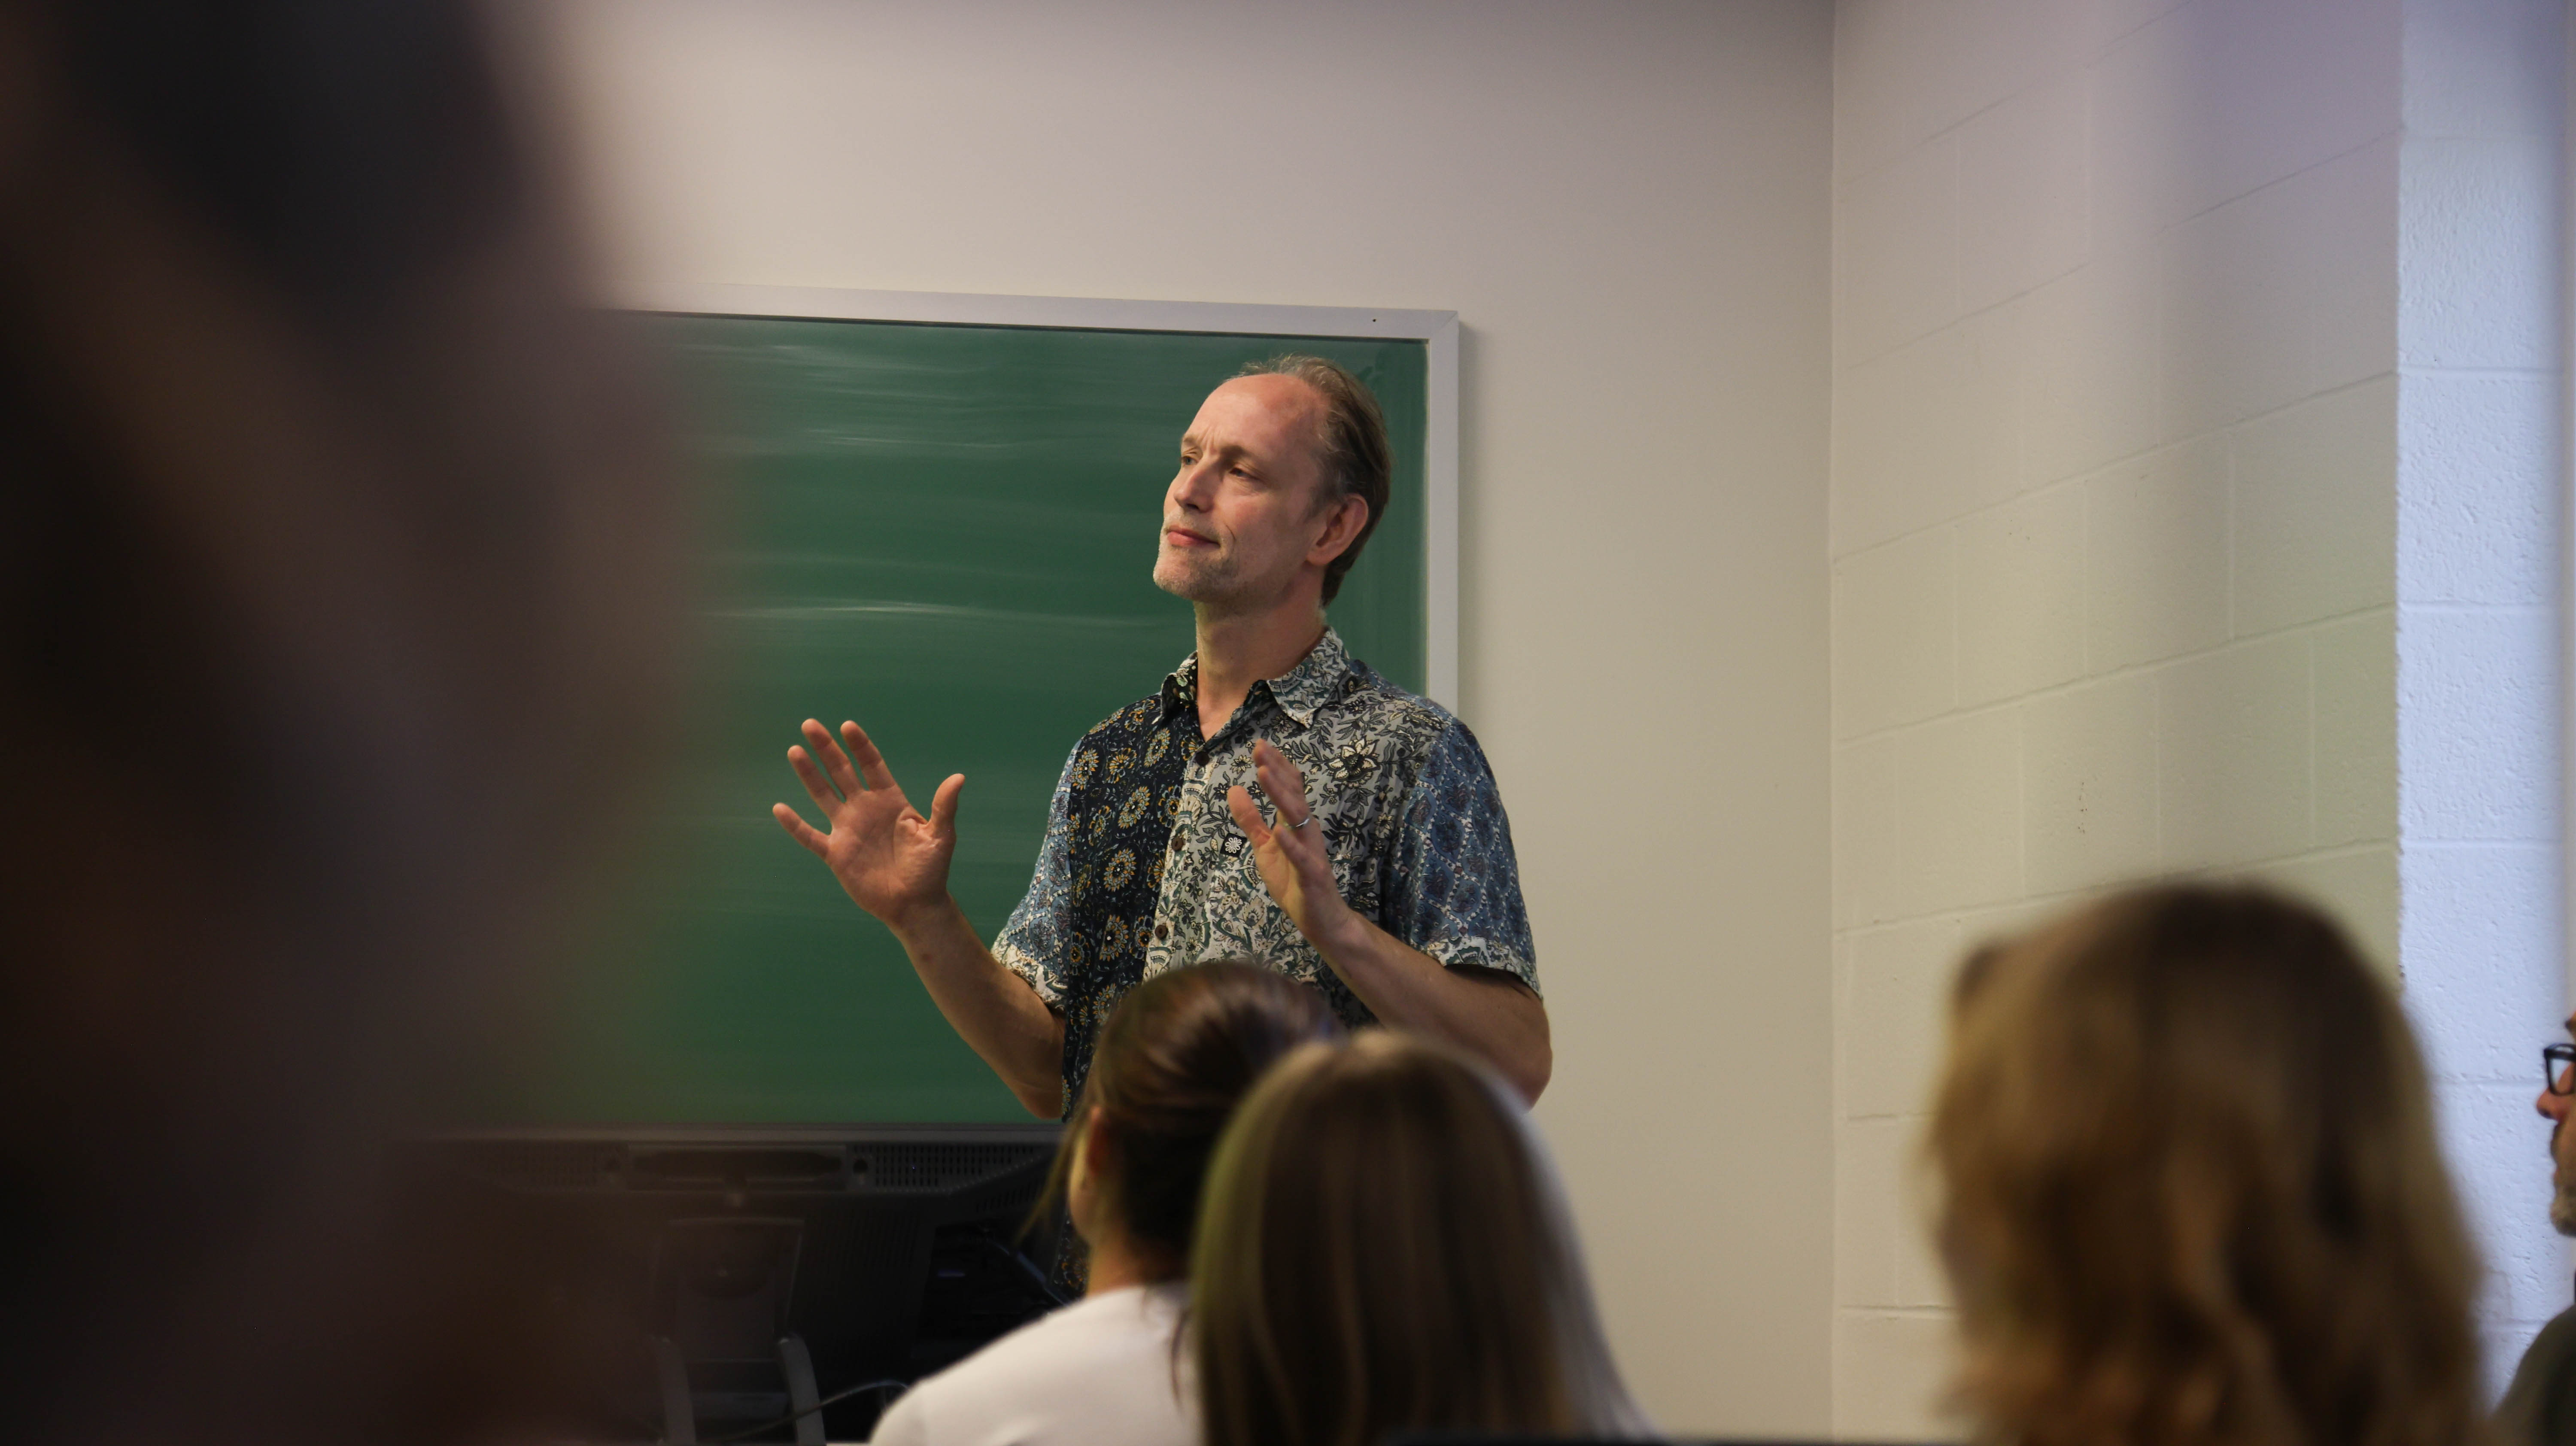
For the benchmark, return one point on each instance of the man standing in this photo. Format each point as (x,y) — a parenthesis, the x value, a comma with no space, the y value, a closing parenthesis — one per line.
(1274,800)
(2540,1405)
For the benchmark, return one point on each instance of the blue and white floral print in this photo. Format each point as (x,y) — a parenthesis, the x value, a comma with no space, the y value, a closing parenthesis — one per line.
(1410,814)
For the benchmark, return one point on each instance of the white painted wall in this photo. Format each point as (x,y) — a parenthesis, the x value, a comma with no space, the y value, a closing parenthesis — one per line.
(1628,206)
(2112,518)
(2194,484)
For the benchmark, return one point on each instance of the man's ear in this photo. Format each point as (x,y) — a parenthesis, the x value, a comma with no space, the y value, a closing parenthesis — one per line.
(1341,528)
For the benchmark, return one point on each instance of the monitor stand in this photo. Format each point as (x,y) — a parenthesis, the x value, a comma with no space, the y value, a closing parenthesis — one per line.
(680,1411)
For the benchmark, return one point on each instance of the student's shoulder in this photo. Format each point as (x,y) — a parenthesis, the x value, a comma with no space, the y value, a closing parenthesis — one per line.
(2540,1404)
(1073,1344)
(1101,1369)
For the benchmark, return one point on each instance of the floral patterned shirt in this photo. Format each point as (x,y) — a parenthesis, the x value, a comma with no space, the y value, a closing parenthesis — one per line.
(1144,870)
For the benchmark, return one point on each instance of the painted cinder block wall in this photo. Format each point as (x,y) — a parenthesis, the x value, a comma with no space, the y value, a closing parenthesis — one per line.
(2480,480)
(2193,508)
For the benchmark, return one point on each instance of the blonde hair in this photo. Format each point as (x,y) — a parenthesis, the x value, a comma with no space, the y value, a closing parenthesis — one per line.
(1384,1246)
(2192,1193)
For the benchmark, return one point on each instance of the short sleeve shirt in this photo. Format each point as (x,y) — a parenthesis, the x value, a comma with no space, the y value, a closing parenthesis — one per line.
(1143,869)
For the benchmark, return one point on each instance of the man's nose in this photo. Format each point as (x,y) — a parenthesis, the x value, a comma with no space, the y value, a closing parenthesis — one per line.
(1193,487)
(2552,1104)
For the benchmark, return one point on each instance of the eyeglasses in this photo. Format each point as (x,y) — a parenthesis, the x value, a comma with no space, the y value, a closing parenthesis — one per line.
(2555,1062)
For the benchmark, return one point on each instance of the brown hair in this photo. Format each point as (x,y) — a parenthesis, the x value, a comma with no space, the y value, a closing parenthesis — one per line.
(1384,1247)
(2191,1187)
(1358,462)
(1174,1059)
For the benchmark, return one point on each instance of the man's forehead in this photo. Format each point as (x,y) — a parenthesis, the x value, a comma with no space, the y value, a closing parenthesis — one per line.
(1255,409)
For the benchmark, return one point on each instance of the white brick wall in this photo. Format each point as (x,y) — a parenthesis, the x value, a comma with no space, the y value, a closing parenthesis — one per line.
(2194,482)
(2480,262)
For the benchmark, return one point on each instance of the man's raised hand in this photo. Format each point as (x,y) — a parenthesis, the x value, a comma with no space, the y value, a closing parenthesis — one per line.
(1290,851)
(892,861)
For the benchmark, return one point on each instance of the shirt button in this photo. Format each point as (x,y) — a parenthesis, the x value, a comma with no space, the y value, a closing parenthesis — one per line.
(1176,840)
(1162,931)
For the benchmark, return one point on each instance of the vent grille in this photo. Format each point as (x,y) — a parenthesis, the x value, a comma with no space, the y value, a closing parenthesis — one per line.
(702,1167)
(897,1165)
(549,1164)
(939,1167)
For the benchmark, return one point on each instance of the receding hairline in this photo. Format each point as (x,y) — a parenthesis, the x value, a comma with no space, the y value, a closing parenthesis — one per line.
(1319,417)
(1318,405)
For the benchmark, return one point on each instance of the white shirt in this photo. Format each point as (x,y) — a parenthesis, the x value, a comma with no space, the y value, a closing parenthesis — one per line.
(1101,1369)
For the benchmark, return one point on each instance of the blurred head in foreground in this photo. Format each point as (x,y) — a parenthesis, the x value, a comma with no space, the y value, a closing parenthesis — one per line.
(1175,1058)
(335,591)
(2191,1191)
(1384,1247)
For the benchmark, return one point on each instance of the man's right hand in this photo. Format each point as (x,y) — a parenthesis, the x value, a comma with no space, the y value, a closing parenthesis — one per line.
(892,861)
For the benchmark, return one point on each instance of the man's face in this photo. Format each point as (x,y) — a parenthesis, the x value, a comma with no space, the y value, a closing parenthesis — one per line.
(2562,1151)
(1244,513)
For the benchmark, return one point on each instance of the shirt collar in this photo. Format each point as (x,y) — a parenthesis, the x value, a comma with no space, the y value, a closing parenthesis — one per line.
(1318,679)
(1180,688)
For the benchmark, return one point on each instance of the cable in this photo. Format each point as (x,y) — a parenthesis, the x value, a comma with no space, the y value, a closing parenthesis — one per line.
(792,1417)
(1029,1268)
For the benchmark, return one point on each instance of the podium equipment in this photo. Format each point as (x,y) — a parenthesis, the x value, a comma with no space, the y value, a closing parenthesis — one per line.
(692,1284)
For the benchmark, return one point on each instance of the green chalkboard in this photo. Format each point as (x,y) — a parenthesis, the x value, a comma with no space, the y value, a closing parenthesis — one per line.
(946,533)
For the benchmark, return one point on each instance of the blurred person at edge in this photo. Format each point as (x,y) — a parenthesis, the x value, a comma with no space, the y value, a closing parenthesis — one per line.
(1384,1249)
(2540,1405)
(1175,1057)
(2190,1188)
(340,588)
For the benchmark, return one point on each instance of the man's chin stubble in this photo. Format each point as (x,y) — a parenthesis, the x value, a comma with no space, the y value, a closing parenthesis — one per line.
(1195,584)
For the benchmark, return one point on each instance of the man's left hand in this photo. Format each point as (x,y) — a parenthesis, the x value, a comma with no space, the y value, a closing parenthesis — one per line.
(1490,1014)
(1290,851)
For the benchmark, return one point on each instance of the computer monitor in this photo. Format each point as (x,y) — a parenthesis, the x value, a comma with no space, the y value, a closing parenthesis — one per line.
(749,1282)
